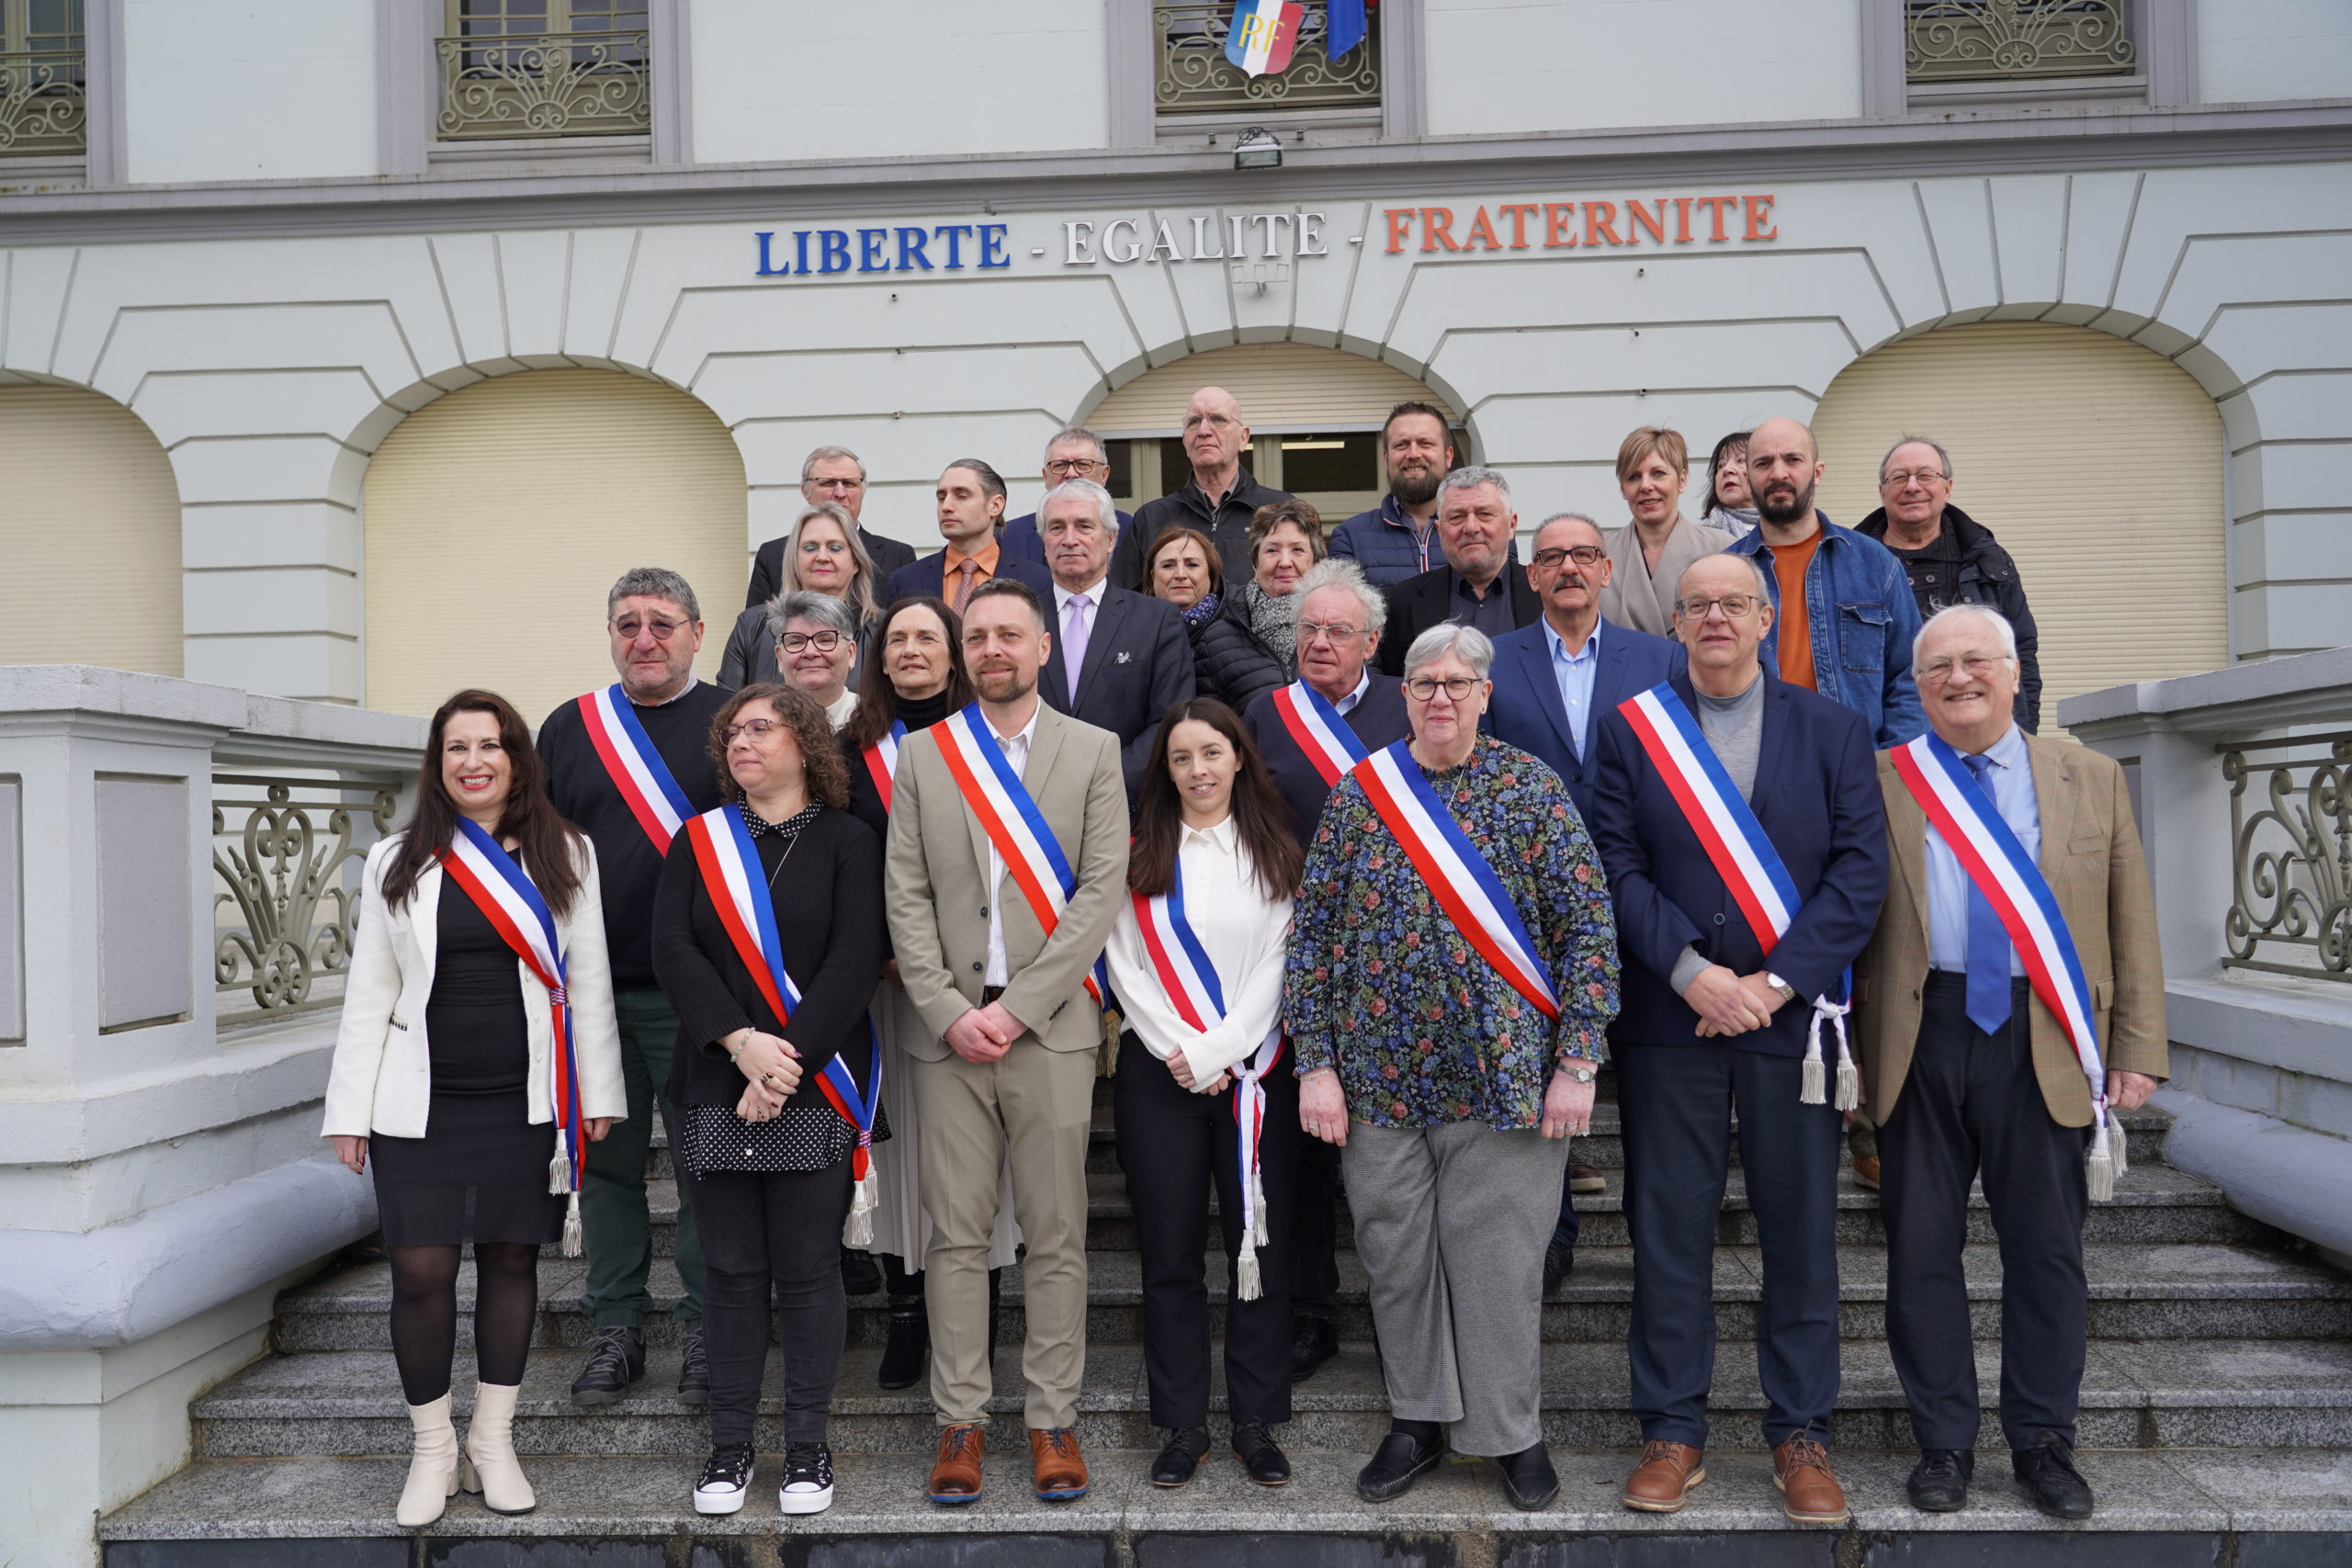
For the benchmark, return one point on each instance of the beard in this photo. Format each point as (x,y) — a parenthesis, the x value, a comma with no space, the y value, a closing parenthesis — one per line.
(1416,489)
(1778,507)
(1003,685)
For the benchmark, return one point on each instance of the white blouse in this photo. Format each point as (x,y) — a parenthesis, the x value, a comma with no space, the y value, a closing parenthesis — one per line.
(1244,933)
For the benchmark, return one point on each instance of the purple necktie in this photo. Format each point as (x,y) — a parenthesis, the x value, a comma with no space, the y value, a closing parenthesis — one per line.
(1075,618)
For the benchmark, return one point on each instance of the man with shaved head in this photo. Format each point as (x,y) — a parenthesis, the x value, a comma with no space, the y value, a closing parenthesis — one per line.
(1844,617)
(1219,499)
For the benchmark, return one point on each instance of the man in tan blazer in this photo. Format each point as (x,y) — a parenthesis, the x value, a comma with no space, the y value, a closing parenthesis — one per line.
(1008,1064)
(1968,1071)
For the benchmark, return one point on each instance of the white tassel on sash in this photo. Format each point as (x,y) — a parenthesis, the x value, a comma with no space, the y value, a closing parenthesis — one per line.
(858,1229)
(572,1247)
(1816,1087)
(2106,1159)
(559,1183)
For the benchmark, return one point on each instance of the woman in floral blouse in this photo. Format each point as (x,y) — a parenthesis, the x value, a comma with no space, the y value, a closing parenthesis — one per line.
(1451,1091)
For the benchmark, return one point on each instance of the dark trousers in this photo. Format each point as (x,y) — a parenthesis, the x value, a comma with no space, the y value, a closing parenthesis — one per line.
(783,1228)
(1972,1103)
(1314,1232)
(1566,1228)
(613,1220)
(1174,1145)
(1676,1104)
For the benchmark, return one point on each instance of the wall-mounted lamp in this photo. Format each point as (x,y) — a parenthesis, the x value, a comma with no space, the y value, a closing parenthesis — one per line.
(1257,148)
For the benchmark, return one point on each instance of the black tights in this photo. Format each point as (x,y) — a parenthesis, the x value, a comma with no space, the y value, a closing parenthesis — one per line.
(425,1314)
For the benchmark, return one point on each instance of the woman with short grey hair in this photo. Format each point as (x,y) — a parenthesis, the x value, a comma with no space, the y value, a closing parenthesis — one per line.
(1450,1056)
(815,639)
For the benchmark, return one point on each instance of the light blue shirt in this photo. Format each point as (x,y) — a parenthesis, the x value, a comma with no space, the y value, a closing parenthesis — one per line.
(2010,778)
(1347,705)
(1575,672)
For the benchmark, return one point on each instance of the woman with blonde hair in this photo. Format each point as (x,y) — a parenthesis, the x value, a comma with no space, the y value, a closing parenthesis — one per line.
(1648,554)
(821,555)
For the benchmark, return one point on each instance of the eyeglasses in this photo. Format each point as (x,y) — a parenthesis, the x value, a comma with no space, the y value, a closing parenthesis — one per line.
(1936,672)
(1425,688)
(1903,477)
(1331,631)
(836,484)
(757,729)
(1738,606)
(823,642)
(661,630)
(1071,468)
(1583,555)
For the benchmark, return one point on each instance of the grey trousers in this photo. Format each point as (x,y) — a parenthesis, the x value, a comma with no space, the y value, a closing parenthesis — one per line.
(1451,1223)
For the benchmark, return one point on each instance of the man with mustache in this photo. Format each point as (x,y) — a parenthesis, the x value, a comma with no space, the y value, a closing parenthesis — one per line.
(1397,539)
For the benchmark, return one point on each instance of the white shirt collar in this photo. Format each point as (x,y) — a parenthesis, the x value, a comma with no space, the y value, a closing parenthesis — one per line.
(837,712)
(1220,837)
(1028,730)
(1093,591)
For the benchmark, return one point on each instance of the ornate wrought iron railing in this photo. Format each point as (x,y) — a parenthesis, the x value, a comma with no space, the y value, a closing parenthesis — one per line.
(551,85)
(287,891)
(44,110)
(2291,854)
(1195,78)
(2002,41)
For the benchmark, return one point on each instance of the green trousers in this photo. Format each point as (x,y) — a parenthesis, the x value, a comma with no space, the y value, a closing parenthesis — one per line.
(613,1224)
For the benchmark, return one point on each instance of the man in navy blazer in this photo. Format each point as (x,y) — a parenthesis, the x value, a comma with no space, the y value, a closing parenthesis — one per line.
(1073,454)
(1550,679)
(1711,1025)
(1133,661)
(970,498)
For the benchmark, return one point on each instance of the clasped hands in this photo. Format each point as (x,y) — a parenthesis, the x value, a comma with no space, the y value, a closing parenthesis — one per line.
(984,1033)
(1731,1004)
(772,1069)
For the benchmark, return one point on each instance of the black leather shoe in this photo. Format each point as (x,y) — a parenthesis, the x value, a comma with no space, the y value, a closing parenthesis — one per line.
(2047,1473)
(1313,1341)
(1187,1446)
(616,1360)
(861,1276)
(1260,1456)
(1559,1262)
(1529,1480)
(1400,1461)
(1939,1482)
(907,1353)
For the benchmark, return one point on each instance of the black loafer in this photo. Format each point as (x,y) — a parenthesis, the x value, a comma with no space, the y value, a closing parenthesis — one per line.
(1313,1341)
(1400,1461)
(1529,1480)
(1260,1456)
(861,1276)
(1187,1446)
(1939,1482)
(2047,1473)
(1559,1262)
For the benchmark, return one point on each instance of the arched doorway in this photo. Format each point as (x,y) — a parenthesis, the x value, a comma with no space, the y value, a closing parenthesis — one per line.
(498,517)
(1314,417)
(93,545)
(2095,462)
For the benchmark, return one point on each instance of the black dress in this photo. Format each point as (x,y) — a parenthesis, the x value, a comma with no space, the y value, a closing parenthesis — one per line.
(480,1171)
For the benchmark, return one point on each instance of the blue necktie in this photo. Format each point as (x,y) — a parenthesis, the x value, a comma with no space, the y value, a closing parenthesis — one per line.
(1988,941)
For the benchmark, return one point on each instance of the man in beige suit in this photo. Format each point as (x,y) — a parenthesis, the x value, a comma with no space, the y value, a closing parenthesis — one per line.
(1007,1062)
(1967,1070)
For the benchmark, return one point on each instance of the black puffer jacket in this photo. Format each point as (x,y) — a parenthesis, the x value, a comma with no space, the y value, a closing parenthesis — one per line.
(1229,662)
(1986,575)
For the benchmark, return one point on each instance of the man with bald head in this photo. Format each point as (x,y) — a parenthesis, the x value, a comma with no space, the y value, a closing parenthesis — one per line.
(1219,499)
(1844,613)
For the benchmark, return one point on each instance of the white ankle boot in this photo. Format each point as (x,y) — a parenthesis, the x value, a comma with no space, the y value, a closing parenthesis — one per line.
(433,1472)
(491,1468)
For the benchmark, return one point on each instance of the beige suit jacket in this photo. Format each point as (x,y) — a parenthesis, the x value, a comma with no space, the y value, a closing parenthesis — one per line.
(935,885)
(1634,598)
(2090,854)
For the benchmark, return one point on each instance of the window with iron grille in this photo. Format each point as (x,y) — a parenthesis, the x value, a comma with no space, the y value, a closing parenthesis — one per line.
(2015,40)
(1194,78)
(520,68)
(43,110)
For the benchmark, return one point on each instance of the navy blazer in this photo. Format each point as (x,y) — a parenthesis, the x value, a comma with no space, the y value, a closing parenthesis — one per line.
(1378,721)
(1020,536)
(1525,710)
(1816,794)
(927,577)
(1138,665)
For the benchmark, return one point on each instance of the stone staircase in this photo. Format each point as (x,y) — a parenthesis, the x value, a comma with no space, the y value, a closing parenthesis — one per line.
(2216,1422)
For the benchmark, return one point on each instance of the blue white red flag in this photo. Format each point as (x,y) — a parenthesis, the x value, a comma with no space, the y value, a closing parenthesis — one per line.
(636,768)
(1263,34)
(882,761)
(1345,29)
(1319,730)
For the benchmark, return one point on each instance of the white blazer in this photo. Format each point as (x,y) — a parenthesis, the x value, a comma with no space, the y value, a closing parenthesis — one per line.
(382,1076)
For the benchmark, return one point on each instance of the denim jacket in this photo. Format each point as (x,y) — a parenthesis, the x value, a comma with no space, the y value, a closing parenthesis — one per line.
(1863,617)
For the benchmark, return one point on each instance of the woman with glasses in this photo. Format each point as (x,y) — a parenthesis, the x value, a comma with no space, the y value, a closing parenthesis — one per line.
(823,554)
(816,651)
(1447,1025)
(1250,646)
(1647,556)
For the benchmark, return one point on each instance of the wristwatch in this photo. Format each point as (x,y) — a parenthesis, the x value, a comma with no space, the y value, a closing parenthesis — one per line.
(1788,992)
(1580,1074)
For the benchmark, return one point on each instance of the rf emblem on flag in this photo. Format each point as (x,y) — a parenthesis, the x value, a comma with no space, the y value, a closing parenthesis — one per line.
(1263,34)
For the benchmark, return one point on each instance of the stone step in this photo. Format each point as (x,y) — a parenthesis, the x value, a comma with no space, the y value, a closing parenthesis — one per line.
(2281,1510)
(2148,1393)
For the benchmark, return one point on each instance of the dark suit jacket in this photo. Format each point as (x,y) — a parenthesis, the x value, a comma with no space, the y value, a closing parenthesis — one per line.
(1138,665)
(1420,603)
(767,566)
(1378,720)
(925,576)
(1020,536)
(1525,710)
(1816,795)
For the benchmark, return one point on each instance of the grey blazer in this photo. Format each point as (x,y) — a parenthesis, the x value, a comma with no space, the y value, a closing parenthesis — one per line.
(1634,598)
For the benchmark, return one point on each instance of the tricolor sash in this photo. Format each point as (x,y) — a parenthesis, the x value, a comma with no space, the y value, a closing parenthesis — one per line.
(1319,730)
(882,761)
(2001,870)
(1008,813)
(1458,877)
(1742,854)
(1198,996)
(730,864)
(636,768)
(480,864)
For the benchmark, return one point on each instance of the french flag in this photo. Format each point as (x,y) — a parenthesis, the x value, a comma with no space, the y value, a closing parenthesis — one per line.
(1263,34)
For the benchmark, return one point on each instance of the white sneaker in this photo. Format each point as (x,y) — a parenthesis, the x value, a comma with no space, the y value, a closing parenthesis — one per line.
(807,1479)
(726,1479)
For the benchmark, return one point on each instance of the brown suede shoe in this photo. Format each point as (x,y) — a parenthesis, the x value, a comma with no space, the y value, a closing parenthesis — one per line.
(1866,1171)
(1809,1491)
(1061,1474)
(1661,1483)
(956,1477)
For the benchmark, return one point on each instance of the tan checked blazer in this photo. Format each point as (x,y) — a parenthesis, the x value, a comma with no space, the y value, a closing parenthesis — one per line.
(935,886)
(2090,854)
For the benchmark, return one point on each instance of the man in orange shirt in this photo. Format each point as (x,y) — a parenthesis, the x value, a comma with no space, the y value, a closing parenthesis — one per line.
(971,505)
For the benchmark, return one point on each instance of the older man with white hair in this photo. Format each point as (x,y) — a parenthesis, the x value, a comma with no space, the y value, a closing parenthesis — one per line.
(1219,498)
(2010,1001)
(1476,586)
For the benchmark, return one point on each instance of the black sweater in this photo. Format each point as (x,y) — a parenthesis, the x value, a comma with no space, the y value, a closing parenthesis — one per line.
(828,904)
(627,866)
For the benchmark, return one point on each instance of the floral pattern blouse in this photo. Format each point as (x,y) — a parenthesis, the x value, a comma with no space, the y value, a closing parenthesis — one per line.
(1382,986)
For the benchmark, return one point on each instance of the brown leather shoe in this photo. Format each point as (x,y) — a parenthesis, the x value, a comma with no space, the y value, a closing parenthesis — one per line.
(1809,1491)
(1866,1171)
(1061,1474)
(1661,1483)
(955,1476)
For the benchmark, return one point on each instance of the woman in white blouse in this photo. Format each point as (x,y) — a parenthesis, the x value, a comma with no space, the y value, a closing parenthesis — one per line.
(1204,1091)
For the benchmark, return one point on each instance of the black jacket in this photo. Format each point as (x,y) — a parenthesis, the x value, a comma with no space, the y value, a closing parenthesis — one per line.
(1229,661)
(767,567)
(1420,603)
(1986,575)
(1138,665)
(1226,524)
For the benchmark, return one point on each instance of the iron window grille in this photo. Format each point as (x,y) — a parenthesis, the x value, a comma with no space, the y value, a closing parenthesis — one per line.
(545,68)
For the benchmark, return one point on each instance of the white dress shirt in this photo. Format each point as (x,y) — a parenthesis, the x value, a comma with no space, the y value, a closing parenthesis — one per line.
(2010,778)
(1245,934)
(1016,754)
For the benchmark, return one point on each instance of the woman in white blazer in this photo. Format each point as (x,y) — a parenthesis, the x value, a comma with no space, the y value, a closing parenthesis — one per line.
(446,1070)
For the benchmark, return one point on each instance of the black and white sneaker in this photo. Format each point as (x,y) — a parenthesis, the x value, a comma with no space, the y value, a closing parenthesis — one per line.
(726,1478)
(807,1479)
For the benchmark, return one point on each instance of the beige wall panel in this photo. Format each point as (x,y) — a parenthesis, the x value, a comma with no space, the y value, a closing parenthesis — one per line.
(498,517)
(1280,385)
(2095,462)
(92,519)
